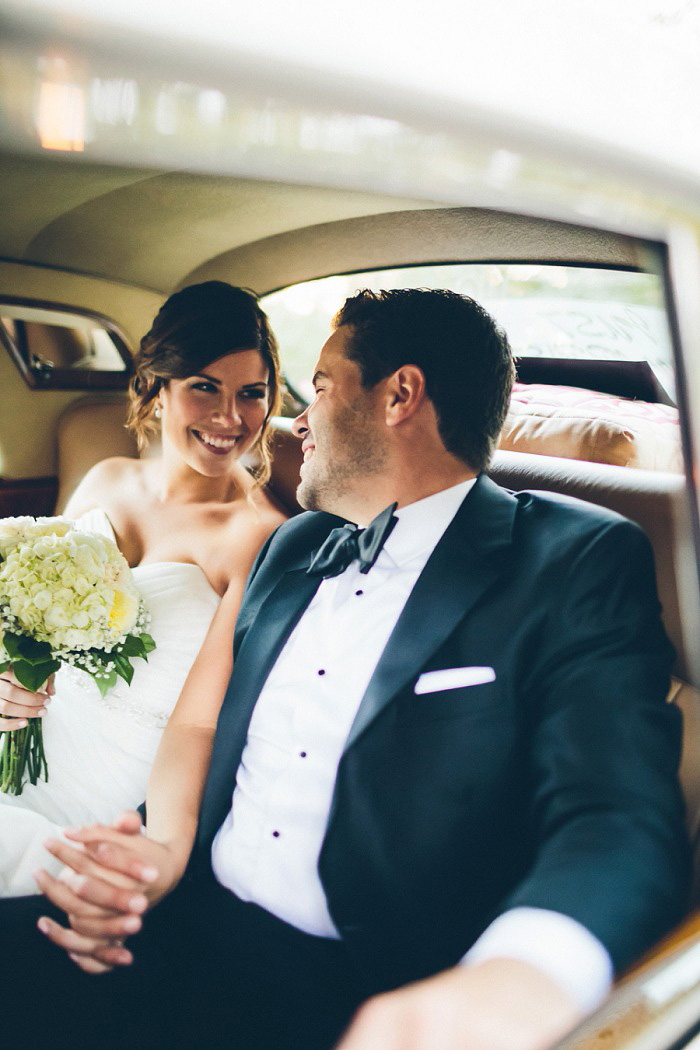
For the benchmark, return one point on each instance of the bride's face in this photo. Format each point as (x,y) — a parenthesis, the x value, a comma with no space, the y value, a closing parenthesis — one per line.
(213,417)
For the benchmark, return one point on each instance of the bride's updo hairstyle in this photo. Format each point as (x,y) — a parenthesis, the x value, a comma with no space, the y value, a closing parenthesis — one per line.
(193,328)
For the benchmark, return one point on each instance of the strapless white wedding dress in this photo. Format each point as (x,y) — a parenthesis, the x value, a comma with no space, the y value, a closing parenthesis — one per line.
(100,750)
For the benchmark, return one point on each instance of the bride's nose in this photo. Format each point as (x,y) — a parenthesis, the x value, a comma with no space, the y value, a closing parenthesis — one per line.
(226,413)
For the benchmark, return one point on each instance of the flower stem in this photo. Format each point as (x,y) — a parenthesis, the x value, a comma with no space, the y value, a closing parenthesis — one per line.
(22,755)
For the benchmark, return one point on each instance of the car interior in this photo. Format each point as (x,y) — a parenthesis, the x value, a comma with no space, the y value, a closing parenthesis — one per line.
(93,246)
(108,245)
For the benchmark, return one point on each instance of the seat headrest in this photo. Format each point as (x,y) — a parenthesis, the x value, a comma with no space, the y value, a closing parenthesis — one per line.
(586,425)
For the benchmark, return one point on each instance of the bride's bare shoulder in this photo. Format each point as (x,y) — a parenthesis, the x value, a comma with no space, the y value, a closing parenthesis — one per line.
(269,511)
(109,481)
(250,523)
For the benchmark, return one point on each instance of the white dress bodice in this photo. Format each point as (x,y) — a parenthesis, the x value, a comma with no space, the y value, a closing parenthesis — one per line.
(100,750)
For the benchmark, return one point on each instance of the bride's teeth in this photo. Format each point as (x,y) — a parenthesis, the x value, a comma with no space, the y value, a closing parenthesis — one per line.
(218,442)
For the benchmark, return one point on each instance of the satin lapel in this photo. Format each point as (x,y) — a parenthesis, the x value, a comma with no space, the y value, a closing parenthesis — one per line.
(274,622)
(470,557)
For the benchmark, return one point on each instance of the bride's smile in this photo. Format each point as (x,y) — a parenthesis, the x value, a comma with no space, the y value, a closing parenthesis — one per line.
(218,413)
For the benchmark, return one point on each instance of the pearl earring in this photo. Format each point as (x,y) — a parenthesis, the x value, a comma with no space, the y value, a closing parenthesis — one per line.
(158,413)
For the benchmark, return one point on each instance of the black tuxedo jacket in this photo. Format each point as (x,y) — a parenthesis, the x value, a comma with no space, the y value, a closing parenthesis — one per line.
(554,786)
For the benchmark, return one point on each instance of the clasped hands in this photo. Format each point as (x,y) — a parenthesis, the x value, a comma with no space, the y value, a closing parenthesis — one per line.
(111,876)
(114,874)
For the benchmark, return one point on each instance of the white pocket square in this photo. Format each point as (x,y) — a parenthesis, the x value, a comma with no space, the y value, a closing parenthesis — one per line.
(454,678)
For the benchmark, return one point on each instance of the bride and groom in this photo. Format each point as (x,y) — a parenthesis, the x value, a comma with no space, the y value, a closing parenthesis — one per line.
(443,782)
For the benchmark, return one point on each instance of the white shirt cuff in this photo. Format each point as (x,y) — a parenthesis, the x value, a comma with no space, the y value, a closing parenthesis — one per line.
(556,944)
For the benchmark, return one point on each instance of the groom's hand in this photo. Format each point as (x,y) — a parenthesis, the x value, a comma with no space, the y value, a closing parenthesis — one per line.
(501,1004)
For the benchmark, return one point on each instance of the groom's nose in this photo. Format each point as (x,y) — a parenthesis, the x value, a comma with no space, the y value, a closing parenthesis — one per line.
(300,426)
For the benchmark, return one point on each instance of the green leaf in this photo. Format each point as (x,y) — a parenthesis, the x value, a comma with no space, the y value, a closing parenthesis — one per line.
(103,684)
(21,647)
(131,646)
(11,643)
(33,675)
(137,645)
(148,642)
(100,657)
(123,667)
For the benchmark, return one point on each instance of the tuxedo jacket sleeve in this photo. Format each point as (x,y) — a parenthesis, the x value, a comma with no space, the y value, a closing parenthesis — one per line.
(553,786)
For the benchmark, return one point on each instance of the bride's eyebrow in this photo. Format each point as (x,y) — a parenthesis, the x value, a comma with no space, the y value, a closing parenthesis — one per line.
(209,379)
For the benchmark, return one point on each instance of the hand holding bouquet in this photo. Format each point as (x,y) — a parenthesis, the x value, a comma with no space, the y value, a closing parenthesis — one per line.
(66,596)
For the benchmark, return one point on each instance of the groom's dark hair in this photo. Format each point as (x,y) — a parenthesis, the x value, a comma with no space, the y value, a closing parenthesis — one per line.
(464,355)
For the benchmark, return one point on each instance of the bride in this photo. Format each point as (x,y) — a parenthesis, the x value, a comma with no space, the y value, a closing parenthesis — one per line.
(190,521)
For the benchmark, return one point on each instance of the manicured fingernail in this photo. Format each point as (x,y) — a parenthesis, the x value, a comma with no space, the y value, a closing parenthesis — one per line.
(138,903)
(50,843)
(71,831)
(37,874)
(41,712)
(149,874)
(131,924)
(75,958)
(43,925)
(22,724)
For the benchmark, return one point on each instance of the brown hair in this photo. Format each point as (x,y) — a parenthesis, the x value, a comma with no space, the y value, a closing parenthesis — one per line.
(194,327)
(462,352)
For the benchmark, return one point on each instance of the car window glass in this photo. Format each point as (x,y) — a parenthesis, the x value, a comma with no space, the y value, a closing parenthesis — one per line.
(548,311)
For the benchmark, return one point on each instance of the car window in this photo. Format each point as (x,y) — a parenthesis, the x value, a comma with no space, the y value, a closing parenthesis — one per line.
(548,311)
(55,349)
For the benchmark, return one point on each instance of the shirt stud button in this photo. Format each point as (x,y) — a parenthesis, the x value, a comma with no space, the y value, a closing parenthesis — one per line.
(302,754)
(358,593)
(321,671)
(275,834)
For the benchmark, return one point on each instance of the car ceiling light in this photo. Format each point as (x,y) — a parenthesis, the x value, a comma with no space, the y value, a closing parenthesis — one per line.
(60,117)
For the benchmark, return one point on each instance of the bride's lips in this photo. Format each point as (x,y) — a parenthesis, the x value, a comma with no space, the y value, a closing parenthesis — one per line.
(217,444)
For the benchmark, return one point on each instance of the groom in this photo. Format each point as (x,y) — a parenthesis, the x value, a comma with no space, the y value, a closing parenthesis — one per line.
(444,775)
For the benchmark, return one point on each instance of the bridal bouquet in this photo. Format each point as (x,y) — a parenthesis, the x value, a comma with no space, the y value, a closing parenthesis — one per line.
(66,596)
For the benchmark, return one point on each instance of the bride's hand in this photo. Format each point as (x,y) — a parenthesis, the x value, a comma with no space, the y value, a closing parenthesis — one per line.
(17,704)
(114,875)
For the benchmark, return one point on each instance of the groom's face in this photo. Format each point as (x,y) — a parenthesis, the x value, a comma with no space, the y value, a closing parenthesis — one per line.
(342,434)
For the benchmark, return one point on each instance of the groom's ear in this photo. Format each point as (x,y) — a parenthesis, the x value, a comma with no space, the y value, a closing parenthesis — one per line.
(404,394)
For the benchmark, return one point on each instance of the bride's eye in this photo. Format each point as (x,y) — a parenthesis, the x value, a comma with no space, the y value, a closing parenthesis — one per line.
(208,388)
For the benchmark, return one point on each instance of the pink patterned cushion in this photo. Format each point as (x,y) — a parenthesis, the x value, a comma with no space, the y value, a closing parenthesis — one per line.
(582,424)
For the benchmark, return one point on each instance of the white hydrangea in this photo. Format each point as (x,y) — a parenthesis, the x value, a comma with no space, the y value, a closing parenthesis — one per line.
(71,589)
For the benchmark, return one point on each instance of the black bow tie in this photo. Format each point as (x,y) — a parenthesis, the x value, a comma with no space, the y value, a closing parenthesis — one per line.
(348,544)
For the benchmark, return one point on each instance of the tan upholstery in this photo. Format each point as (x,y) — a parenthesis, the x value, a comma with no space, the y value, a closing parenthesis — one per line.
(91,429)
(688,699)
(599,428)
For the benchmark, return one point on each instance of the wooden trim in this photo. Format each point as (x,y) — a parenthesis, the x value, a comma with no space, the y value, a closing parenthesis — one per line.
(655,1006)
(35,496)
